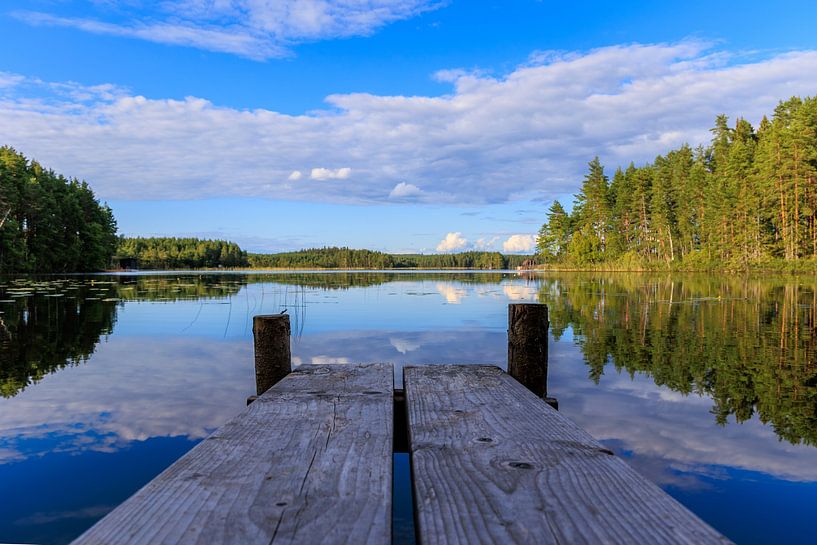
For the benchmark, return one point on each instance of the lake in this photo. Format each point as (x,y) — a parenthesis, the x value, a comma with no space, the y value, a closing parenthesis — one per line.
(706,384)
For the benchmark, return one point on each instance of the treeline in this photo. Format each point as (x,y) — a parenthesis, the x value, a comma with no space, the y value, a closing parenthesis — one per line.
(462,260)
(750,197)
(347,258)
(323,258)
(178,253)
(194,253)
(49,223)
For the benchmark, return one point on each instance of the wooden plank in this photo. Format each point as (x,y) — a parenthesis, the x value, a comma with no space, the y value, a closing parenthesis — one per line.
(492,463)
(310,461)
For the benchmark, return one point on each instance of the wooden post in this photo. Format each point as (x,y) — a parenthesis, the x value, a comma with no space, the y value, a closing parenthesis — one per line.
(273,360)
(528,346)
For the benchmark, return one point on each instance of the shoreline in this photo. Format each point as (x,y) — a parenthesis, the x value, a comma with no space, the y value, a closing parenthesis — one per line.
(810,269)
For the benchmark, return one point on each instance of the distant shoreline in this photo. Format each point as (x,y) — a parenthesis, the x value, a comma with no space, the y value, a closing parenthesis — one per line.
(319,269)
(806,268)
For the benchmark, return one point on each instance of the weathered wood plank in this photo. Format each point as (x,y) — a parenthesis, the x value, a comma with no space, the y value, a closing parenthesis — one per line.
(492,463)
(310,461)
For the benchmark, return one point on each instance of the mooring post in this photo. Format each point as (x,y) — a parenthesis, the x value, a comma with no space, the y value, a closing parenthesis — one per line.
(528,346)
(273,359)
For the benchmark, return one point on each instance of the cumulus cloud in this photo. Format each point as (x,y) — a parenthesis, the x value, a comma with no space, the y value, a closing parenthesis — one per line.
(526,134)
(486,243)
(452,292)
(519,243)
(403,190)
(329,174)
(295,175)
(452,242)
(404,346)
(249,28)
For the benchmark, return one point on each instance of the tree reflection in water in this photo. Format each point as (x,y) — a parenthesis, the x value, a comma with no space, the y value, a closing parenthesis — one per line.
(50,324)
(747,343)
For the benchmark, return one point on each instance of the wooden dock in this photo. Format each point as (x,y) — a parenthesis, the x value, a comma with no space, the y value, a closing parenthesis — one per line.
(310,462)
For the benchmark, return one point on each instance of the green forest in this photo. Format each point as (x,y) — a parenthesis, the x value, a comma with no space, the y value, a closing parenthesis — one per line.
(49,223)
(347,258)
(323,258)
(178,253)
(194,253)
(748,199)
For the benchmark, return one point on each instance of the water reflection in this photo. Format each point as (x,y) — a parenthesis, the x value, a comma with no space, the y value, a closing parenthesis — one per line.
(108,379)
(46,326)
(133,391)
(673,436)
(49,324)
(748,344)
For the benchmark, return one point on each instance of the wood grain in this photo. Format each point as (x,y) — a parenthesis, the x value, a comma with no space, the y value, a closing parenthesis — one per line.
(310,461)
(273,358)
(492,463)
(528,346)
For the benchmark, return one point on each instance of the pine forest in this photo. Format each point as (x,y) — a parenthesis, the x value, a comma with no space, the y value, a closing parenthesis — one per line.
(748,199)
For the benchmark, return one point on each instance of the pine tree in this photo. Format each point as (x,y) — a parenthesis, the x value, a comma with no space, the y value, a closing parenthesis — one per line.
(747,197)
(52,224)
(554,236)
(593,210)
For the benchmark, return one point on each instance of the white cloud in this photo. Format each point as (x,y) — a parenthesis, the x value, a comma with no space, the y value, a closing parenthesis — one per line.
(329,360)
(321,359)
(256,29)
(492,139)
(519,243)
(452,292)
(521,292)
(329,174)
(236,41)
(486,243)
(403,190)
(10,80)
(452,242)
(295,175)
(404,346)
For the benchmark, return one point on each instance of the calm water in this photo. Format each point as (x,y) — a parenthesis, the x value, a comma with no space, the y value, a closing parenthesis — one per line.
(705,384)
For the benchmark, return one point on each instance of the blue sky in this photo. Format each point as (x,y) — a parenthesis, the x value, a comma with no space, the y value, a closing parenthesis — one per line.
(402,126)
